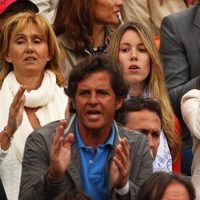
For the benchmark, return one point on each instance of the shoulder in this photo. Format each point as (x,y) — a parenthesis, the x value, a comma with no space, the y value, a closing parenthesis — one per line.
(187,14)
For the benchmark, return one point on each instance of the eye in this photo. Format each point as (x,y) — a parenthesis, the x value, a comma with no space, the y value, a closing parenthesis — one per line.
(84,92)
(124,48)
(20,40)
(37,40)
(155,134)
(145,132)
(102,92)
(142,49)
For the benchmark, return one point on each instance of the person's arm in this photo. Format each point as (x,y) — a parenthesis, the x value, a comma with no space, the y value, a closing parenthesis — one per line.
(14,120)
(44,164)
(190,107)
(175,63)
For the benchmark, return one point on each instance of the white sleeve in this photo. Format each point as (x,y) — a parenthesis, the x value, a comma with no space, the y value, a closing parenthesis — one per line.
(190,108)
(47,8)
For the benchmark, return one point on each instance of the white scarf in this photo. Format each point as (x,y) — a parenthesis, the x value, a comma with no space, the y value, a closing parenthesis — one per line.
(49,96)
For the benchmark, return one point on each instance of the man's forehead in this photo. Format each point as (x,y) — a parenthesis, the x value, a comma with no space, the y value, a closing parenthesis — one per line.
(96,78)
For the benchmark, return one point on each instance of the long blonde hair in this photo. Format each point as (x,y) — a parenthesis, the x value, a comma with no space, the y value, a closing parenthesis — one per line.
(15,24)
(155,81)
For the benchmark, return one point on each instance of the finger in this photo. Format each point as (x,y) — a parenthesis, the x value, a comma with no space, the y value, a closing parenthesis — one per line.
(119,165)
(19,106)
(55,148)
(18,95)
(120,154)
(59,131)
(123,153)
(69,140)
(125,147)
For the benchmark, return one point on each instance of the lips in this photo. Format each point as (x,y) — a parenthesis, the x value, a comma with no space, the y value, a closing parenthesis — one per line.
(93,114)
(30,58)
(134,67)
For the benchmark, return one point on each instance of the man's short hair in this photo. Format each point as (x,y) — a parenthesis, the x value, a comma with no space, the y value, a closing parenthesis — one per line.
(135,104)
(96,64)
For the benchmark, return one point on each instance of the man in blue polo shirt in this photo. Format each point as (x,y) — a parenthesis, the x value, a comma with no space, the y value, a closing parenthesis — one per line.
(90,151)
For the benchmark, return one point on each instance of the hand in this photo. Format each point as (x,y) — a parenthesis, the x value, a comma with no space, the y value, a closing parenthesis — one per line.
(60,152)
(16,111)
(121,164)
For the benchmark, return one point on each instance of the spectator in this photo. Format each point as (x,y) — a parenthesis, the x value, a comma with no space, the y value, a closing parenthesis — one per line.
(150,13)
(135,49)
(7,9)
(83,27)
(179,50)
(190,111)
(92,153)
(30,57)
(164,186)
(12,7)
(143,115)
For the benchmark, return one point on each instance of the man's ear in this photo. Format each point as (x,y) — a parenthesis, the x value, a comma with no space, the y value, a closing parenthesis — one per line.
(119,102)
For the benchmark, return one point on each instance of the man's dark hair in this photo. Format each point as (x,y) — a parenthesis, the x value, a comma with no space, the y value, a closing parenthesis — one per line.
(155,185)
(96,64)
(135,104)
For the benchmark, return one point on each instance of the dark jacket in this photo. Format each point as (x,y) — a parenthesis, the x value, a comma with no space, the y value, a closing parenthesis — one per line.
(180,54)
(35,184)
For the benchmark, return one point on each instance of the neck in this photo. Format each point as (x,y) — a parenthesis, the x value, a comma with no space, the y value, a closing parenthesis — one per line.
(30,83)
(98,34)
(136,90)
(94,137)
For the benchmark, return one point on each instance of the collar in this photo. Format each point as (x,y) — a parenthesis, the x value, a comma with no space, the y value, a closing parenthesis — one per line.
(80,144)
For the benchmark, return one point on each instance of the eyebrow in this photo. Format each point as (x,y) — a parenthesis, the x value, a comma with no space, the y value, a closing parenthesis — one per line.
(126,43)
(22,34)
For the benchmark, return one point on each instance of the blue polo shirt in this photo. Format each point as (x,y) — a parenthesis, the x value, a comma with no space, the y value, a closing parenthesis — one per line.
(93,166)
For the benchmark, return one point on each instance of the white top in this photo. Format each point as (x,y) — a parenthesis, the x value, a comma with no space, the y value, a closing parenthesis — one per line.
(53,103)
(163,160)
(190,107)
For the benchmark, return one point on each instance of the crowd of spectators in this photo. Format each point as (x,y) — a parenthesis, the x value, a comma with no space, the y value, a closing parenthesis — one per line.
(99,99)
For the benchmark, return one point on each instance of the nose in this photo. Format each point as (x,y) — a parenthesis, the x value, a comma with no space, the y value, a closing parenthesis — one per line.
(133,55)
(119,2)
(93,100)
(30,47)
(150,139)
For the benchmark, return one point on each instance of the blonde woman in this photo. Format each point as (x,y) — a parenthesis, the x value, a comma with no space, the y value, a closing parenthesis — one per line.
(30,56)
(135,49)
